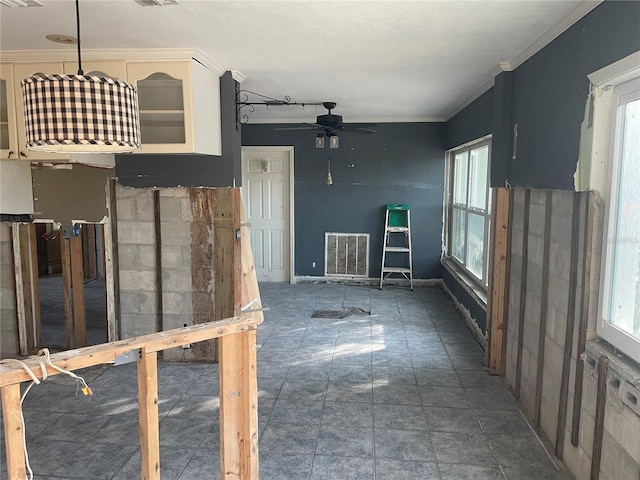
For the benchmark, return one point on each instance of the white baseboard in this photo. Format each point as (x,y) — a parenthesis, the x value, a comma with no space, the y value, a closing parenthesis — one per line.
(417,282)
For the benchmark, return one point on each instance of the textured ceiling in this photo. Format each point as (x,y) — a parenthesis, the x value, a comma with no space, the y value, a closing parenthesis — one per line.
(379,60)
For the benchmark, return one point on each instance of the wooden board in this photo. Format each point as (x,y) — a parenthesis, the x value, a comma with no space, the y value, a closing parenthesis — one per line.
(77,283)
(13,432)
(237,354)
(65,260)
(523,290)
(107,352)
(149,430)
(498,279)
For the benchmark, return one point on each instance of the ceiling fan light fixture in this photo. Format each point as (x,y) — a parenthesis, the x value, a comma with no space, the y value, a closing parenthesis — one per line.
(80,113)
(333,141)
(319,141)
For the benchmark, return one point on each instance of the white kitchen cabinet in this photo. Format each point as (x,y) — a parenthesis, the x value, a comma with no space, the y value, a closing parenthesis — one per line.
(20,72)
(179,105)
(8,130)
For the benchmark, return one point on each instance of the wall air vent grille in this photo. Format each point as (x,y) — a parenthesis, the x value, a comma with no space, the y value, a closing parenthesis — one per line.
(346,254)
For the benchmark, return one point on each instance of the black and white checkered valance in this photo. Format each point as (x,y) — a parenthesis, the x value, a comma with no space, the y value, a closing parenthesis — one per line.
(78,113)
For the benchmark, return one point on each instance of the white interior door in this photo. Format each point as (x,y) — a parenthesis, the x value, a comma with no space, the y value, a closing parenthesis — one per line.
(266,195)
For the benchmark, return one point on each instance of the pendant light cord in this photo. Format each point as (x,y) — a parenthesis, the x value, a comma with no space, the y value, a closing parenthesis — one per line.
(80,72)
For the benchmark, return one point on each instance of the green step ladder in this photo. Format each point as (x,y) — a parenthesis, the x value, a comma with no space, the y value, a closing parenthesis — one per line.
(397,224)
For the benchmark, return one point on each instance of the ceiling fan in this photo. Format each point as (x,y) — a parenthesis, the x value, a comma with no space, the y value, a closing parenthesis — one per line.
(331,124)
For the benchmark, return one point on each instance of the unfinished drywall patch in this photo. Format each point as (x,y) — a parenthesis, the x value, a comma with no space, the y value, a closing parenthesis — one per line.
(8,312)
(16,195)
(65,192)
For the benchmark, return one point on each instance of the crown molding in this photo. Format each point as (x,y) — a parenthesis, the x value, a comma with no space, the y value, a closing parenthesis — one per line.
(133,55)
(271,121)
(547,37)
(238,76)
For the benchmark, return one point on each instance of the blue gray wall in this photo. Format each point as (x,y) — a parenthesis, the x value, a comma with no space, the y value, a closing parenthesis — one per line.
(546,97)
(400,163)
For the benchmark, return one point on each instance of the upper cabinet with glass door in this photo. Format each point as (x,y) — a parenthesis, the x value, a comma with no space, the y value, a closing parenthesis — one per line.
(179,105)
(8,130)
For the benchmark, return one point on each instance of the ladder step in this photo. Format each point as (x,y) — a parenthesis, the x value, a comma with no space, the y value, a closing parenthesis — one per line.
(396,270)
(397,249)
(397,229)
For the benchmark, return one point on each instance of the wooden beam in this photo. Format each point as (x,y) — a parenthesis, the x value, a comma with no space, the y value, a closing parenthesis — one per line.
(238,379)
(112,269)
(507,288)
(523,290)
(496,313)
(107,352)
(568,339)
(65,261)
(13,432)
(35,285)
(149,430)
(157,225)
(77,282)
(583,317)
(598,428)
(542,333)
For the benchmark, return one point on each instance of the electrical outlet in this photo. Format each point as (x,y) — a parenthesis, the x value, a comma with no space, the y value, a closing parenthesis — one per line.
(313,264)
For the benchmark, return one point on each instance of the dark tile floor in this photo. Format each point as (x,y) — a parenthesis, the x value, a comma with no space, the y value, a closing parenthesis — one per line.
(398,394)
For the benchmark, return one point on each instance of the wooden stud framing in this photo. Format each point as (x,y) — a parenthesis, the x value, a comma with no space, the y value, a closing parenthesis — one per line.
(598,429)
(523,290)
(20,293)
(13,433)
(238,388)
(11,375)
(65,261)
(34,281)
(112,267)
(568,340)
(584,317)
(89,258)
(149,429)
(498,279)
(77,283)
(158,250)
(542,335)
(507,288)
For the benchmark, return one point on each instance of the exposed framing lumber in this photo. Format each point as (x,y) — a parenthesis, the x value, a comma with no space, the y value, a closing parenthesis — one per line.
(238,393)
(498,279)
(34,282)
(542,335)
(11,375)
(89,258)
(507,288)
(65,261)
(20,293)
(568,339)
(112,266)
(149,430)
(158,254)
(523,290)
(77,283)
(598,428)
(584,317)
(13,433)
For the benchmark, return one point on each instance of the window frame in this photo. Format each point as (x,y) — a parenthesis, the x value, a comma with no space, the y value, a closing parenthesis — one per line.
(609,86)
(452,206)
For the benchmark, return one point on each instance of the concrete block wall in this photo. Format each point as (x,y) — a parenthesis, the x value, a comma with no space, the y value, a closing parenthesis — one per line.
(184,265)
(621,441)
(8,313)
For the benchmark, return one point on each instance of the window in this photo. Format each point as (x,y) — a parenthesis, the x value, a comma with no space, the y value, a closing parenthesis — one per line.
(620,296)
(613,169)
(469,208)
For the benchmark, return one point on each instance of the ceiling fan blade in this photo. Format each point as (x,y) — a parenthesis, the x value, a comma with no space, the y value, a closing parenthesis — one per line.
(350,129)
(360,125)
(295,128)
